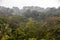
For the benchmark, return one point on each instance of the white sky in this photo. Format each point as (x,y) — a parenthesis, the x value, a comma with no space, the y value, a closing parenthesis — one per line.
(21,3)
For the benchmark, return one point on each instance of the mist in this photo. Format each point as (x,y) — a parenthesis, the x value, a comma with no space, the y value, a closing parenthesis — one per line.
(22,3)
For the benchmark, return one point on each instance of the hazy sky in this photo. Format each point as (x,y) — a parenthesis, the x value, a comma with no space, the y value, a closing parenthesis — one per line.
(21,3)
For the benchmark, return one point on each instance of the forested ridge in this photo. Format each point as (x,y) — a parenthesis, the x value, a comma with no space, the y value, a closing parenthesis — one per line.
(30,24)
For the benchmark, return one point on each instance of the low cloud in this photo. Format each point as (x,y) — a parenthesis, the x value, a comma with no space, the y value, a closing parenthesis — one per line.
(0,1)
(59,0)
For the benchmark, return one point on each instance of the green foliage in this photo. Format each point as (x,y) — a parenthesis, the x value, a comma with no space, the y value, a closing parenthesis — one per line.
(33,27)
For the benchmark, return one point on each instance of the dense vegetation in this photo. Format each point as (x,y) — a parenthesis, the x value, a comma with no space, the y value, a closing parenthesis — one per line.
(32,25)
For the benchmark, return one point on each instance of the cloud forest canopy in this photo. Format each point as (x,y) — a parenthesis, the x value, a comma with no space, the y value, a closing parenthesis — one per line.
(29,23)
